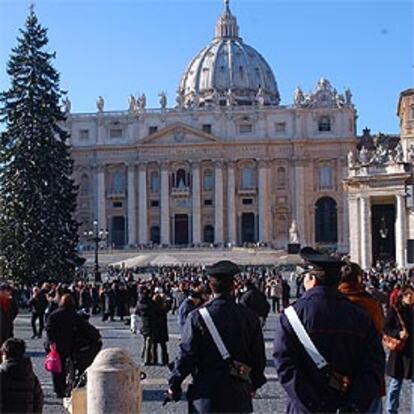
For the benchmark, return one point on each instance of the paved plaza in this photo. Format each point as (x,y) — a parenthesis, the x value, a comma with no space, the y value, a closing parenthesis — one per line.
(270,399)
(193,256)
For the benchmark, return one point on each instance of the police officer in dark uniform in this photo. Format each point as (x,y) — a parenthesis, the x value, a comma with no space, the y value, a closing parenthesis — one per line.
(219,387)
(345,337)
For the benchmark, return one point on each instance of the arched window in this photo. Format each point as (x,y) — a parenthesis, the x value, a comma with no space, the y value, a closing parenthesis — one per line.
(326,230)
(325,177)
(281,177)
(118,182)
(155,182)
(84,184)
(247,177)
(208,234)
(208,180)
(181,178)
(324,124)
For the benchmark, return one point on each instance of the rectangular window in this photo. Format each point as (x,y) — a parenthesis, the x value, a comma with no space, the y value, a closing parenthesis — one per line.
(84,134)
(247,201)
(325,177)
(208,202)
(155,203)
(280,126)
(117,204)
(152,130)
(115,133)
(207,128)
(245,128)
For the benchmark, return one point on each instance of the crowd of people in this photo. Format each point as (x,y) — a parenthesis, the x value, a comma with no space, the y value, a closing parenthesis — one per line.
(329,299)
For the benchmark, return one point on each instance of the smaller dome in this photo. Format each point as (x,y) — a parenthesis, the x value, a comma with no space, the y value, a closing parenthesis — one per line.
(228,72)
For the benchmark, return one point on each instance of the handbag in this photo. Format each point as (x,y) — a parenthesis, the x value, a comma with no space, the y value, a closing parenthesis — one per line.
(53,363)
(395,344)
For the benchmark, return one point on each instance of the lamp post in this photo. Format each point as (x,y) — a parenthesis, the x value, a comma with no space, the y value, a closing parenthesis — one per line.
(96,236)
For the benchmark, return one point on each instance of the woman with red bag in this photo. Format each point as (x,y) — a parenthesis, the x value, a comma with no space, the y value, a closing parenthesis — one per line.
(65,327)
(399,324)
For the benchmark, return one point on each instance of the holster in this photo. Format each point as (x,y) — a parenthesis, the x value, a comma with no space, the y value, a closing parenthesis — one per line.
(239,370)
(337,381)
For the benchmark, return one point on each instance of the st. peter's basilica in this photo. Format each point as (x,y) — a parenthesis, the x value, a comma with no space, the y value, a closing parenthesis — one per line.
(225,164)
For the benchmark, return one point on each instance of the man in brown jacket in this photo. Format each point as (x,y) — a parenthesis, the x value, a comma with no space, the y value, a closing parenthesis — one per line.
(351,287)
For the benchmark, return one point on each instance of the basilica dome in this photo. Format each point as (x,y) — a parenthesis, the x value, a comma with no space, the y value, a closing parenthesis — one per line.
(228,72)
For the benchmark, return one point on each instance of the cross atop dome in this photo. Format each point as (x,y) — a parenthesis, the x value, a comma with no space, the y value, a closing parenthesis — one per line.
(226,26)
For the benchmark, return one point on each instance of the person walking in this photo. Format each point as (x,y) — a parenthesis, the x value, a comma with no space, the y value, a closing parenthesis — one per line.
(64,328)
(146,310)
(256,301)
(192,302)
(346,372)
(223,382)
(161,309)
(20,390)
(399,324)
(108,300)
(351,286)
(38,305)
(275,290)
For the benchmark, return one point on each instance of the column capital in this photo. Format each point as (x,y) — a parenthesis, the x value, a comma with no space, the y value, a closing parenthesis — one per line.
(263,163)
(99,168)
(195,165)
(218,163)
(231,164)
(165,165)
(142,166)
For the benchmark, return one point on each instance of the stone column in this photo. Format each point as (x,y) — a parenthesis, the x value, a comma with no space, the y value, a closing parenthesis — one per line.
(299,206)
(231,203)
(218,202)
(400,232)
(132,207)
(354,227)
(142,204)
(165,205)
(101,197)
(196,195)
(263,201)
(365,233)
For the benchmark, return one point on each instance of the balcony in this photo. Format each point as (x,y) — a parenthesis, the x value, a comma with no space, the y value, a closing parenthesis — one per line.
(111,193)
(180,191)
(243,191)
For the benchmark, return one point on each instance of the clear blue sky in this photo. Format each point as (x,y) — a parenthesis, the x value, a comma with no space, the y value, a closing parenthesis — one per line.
(117,47)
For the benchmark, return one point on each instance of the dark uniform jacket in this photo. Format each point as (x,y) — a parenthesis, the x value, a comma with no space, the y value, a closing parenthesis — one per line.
(214,390)
(345,336)
(255,300)
(400,364)
(20,390)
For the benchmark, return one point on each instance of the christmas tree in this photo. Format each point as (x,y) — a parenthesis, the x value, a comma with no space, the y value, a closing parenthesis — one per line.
(38,231)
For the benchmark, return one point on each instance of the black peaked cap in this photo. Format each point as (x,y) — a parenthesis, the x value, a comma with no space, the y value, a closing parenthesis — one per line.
(224,268)
(320,260)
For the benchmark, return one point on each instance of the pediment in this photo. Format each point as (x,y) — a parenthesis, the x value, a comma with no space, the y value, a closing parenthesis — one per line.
(179,133)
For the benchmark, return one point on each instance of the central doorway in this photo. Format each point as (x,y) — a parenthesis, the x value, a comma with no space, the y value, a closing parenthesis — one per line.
(248,228)
(181,229)
(118,231)
(383,232)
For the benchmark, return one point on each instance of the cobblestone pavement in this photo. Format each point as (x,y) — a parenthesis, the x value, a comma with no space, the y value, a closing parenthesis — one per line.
(270,399)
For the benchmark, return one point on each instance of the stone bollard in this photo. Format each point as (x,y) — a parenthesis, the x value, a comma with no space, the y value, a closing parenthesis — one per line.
(113,384)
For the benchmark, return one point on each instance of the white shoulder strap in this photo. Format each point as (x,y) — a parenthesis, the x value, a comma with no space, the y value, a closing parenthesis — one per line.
(304,337)
(214,333)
